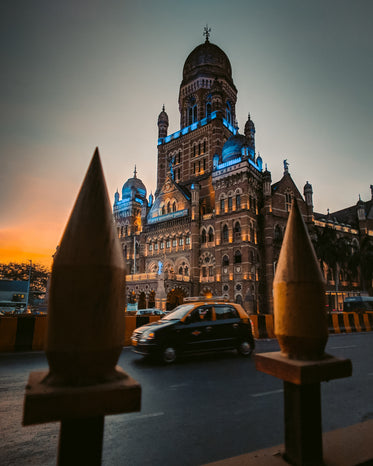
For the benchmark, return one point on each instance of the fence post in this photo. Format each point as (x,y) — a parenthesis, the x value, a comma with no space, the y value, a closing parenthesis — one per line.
(301,328)
(85,331)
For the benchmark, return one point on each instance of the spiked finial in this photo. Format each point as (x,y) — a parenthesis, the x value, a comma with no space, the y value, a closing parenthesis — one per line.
(87,292)
(299,294)
(206,32)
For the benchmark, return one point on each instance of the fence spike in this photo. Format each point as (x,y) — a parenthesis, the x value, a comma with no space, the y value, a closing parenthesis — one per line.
(87,291)
(301,325)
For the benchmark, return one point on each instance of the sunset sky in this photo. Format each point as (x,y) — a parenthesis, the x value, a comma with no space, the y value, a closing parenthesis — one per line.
(79,74)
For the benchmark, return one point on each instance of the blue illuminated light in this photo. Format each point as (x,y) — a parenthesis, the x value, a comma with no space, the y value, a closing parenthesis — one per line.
(258,166)
(193,127)
(231,128)
(229,163)
(170,216)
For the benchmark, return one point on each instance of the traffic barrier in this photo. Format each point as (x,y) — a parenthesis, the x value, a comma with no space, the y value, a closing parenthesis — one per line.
(263,325)
(26,333)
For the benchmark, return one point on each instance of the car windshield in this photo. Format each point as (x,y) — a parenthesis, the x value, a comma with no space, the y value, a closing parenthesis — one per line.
(179,312)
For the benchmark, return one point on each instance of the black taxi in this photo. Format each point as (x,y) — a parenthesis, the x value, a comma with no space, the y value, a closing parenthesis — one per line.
(198,325)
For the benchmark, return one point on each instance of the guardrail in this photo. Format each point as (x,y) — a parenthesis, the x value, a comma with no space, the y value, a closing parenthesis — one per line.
(28,333)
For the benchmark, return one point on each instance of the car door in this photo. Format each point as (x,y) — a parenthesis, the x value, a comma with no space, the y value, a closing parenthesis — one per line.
(226,326)
(196,333)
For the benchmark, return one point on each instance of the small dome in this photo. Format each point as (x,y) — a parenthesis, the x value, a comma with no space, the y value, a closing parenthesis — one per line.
(307,187)
(133,188)
(233,147)
(249,126)
(207,60)
(163,117)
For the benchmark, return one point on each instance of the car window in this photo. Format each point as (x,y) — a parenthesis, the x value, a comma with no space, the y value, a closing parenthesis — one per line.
(179,312)
(225,312)
(201,314)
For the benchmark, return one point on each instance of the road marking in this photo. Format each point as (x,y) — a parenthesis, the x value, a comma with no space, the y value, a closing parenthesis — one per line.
(134,417)
(267,393)
(344,347)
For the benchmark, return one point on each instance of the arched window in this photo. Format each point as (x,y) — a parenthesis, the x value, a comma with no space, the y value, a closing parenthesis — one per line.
(228,112)
(252,234)
(203,236)
(225,261)
(225,234)
(237,231)
(237,257)
(222,205)
(239,299)
(168,208)
(190,115)
(288,200)
(163,210)
(211,235)
(238,201)
(208,105)
(180,271)
(195,118)
(278,234)
(174,206)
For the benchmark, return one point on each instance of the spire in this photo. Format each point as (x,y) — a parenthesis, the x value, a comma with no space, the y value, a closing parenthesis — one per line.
(135,173)
(286,167)
(206,32)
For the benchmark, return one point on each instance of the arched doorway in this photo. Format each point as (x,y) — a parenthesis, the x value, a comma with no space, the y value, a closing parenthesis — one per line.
(142,300)
(174,298)
(151,300)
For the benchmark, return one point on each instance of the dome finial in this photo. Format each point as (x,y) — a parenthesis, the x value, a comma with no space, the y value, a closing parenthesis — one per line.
(135,173)
(206,32)
(163,108)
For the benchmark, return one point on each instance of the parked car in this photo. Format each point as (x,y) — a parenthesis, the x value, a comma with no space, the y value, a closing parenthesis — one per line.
(358,304)
(196,326)
(150,312)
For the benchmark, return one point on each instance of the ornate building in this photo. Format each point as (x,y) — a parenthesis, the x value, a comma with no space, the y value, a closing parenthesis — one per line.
(216,222)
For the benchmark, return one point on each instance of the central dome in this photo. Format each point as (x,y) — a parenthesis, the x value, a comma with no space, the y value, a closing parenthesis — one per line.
(207,60)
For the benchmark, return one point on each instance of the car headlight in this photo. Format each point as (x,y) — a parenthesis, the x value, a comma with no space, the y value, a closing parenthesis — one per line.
(146,336)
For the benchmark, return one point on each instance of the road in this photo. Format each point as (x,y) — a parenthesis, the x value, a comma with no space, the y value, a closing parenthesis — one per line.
(201,409)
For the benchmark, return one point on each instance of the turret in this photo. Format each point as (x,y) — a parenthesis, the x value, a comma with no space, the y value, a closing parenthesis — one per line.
(307,191)
(162,124)
(361,210)
(250,135)
(267,182)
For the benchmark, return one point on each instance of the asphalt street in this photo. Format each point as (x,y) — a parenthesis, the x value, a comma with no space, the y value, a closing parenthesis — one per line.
(200,409)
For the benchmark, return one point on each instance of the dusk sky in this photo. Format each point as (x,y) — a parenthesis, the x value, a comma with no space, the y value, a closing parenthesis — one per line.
(79,74)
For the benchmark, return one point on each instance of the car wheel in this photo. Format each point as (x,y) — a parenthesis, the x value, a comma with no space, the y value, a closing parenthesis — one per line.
(245,349)
(169,354)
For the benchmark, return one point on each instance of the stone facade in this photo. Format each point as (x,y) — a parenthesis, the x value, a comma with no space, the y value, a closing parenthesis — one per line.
(216,222)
